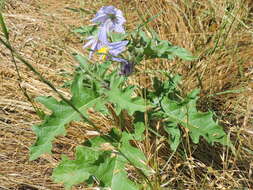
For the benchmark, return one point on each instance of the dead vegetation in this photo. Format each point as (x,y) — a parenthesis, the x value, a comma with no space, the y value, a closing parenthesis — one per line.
(220,32)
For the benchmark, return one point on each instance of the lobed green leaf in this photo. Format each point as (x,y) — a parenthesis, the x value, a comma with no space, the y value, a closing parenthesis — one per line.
(72,172)
(184,113)
(122,98)
(62,113)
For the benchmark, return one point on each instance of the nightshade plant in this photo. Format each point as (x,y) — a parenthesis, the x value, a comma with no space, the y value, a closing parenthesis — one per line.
(102,85)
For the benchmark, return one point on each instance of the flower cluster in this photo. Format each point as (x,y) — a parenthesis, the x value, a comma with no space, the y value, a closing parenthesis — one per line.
(110,19)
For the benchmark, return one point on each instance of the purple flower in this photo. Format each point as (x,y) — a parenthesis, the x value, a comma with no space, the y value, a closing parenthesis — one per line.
(126,68)
(96,43)
(104,47)
(110,18)
(115,48)
(109,50)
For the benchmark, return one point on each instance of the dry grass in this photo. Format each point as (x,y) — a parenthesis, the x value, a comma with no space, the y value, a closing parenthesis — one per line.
(220,32)
(41,32)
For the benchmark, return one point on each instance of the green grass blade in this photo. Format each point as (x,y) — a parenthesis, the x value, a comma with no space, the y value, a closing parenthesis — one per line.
(3,26)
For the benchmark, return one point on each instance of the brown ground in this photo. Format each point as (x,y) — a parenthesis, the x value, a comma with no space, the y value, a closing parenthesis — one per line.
(41,31)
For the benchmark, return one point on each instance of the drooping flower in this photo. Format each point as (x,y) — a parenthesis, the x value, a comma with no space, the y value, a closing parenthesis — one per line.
(126,67)
(110,19)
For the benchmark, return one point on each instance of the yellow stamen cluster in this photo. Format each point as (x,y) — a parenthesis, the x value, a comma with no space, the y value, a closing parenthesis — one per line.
(104,51)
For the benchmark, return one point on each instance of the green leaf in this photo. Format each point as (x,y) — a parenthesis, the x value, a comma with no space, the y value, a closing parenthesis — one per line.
(182,53)
(144,37)
(133,154)
(162,47)
(137,158)
(175,135)
(122,97)
(139,129)
(86,30)
(54,124)
(199,124)
(106,159)
(112,174)
(112,171)
(157,48)
(108,167)
(72,172)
